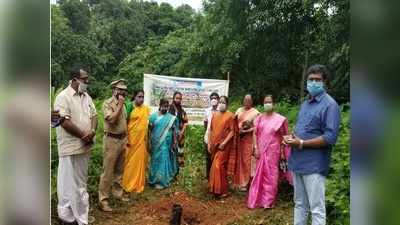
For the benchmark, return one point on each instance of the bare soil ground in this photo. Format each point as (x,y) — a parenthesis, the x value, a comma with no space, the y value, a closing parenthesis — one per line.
(155,209)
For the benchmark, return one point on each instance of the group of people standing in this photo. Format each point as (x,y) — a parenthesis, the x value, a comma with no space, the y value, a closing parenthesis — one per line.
(131,134)
(243,149)
(251,151)
(246,150)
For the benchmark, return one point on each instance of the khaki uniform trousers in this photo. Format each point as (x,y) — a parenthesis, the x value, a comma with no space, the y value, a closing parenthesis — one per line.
(113,164)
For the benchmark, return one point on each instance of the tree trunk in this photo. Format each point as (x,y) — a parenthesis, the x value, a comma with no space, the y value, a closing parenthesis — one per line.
(305,66)
(303,78)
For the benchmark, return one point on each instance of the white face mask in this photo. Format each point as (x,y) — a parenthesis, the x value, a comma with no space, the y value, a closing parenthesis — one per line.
(222,107)
(268,107)
(82,87)
(214,102)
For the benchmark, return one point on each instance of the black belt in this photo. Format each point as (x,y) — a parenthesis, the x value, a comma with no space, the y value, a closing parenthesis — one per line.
(118,136)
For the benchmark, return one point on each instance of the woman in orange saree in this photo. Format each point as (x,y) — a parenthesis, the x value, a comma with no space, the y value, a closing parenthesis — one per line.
(245,117)
(220,140)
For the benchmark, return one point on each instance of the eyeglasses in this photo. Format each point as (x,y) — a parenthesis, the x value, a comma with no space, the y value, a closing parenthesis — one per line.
(84,80)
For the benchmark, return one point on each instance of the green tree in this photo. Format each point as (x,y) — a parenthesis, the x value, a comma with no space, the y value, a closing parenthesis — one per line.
(271,42)
(78,14)
(69,49)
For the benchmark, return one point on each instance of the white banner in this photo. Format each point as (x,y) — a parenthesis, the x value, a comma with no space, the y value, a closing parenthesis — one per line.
(196,93)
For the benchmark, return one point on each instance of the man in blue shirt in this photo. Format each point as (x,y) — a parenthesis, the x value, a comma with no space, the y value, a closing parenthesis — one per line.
(315,133)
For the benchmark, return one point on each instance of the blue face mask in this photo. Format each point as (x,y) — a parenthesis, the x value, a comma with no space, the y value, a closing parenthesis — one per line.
(315,87)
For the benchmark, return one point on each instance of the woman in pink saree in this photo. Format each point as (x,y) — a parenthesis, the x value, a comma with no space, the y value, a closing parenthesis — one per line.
(269,129)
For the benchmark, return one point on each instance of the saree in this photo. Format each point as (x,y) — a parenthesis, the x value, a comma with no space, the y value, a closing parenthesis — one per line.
(136,153)
(244,159)
(221,125)
(264,186)
(181,119)
(163,163)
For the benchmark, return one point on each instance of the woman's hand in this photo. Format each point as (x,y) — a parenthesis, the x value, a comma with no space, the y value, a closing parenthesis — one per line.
(256,154)
(221,146)
(243,131)
(181,136)
(174,144)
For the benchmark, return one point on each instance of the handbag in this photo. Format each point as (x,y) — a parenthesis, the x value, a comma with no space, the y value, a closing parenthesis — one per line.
(283,165)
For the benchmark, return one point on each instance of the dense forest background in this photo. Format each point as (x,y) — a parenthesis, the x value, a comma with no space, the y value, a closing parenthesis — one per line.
(264,45)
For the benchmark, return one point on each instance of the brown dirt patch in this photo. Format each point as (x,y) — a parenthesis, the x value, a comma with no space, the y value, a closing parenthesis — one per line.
(158,212)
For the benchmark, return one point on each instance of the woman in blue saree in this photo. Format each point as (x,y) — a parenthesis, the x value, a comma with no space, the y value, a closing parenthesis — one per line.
(163,164)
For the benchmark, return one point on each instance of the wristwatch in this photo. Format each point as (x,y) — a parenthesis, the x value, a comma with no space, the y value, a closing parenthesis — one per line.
(301,144)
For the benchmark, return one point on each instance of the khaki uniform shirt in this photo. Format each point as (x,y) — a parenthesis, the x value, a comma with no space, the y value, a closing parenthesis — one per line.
(80,109)
(120,126)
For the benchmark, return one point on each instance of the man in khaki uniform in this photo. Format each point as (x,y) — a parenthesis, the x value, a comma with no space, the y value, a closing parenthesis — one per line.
(114,141)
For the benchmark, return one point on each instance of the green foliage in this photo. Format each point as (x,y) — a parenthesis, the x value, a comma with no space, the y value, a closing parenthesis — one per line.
(265,45)
(71,49)
(191,178)
(288,110)
(111,36)
(338,182)
(156,57)
(78,14)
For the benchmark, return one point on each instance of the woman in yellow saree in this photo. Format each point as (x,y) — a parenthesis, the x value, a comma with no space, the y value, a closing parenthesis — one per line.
(136,153)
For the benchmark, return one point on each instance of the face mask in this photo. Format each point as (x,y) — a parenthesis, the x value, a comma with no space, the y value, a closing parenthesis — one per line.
(163,110)
(315,87)
(82,87)
(214,102)
(268,107)
(117,94)
(221,107)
